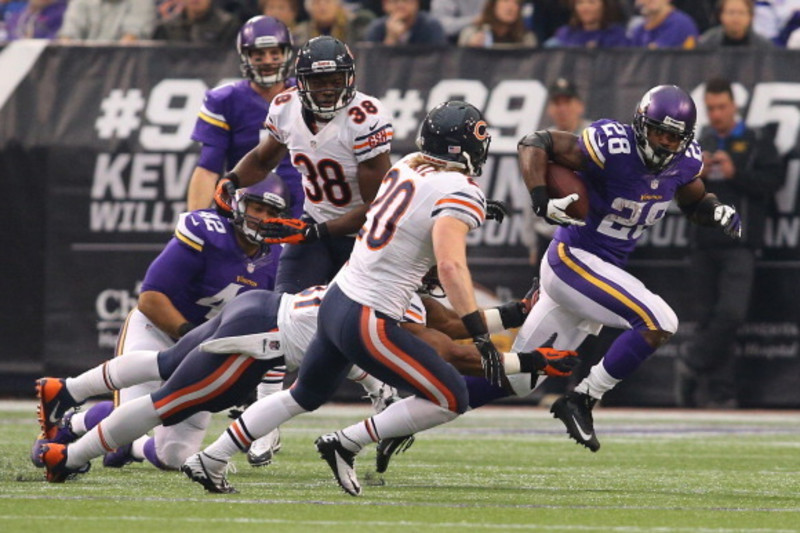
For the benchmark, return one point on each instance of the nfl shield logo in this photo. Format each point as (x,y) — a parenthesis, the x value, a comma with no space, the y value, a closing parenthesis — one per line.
(274,345)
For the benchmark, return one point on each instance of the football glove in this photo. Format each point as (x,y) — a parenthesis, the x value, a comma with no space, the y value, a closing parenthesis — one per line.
(729,220)
(496,210)
(223,197)
(532,296)
(552,362)
(553,210)
(291,231)
(491,360)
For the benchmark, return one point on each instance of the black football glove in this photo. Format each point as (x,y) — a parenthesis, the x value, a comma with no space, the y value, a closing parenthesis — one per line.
(491,360)
(496,210)
(291,231)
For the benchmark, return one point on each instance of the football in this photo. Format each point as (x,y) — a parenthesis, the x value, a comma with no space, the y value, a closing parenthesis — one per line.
(561,182)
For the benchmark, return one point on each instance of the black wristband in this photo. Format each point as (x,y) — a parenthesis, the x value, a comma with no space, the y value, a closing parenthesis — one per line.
(233,178)
(512,314)
(539,200)
(185,328)
(322,231)
(474,323)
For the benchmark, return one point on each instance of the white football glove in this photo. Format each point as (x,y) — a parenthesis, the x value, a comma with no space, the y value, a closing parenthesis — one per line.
(729,220)
(556,211)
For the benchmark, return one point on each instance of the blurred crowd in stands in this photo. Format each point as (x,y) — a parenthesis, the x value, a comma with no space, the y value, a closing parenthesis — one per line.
(685,24)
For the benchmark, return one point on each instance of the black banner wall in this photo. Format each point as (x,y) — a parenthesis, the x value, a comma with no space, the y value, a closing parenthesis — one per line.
(95,155)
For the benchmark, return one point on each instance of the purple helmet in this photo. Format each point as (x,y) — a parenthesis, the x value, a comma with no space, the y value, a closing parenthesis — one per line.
(668,108)
(270,192)
(264,32)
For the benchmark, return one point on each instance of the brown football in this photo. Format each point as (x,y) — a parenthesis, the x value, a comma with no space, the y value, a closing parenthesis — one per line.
(562,182)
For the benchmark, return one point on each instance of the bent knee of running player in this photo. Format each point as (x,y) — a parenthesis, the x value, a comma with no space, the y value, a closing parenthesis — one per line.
(207,382)
(399,358)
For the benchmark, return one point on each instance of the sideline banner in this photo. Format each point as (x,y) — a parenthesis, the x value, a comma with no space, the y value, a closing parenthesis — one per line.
(95,141)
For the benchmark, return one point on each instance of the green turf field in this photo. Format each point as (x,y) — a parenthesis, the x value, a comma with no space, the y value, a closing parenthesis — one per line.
(497,469)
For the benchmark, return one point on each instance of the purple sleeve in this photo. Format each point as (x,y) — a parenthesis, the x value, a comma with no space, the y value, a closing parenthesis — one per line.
(211,158)
(172,269)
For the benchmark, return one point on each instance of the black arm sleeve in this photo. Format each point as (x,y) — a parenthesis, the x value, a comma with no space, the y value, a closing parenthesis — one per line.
(539,139)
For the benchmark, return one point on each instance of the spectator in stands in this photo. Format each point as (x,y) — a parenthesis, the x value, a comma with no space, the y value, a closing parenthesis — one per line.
(594,24)
(284,10)
(546,17)
(663,26)
(330,17)
(703,12)
(404,23)
(124,21)
(499,26)
(771,17)
(742,168)
(199,22)
(41,19)
(242,10)
(735,28)
(793,43)
(455,15)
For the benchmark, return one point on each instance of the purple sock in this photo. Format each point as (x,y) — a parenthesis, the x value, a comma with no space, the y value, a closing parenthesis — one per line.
(482,392)
(151,455)
(626,353)
(97,413)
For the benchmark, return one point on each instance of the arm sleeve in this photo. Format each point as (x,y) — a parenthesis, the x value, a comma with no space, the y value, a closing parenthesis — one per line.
(467,205)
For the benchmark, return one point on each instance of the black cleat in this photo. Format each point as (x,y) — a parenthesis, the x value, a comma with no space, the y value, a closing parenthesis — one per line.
(575,410)
(389,447)
(342,462)
(209,472)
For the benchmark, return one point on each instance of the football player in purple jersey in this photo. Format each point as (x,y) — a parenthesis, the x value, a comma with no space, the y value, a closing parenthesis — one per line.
(338,138)
(632,173)
(231,120)
(209,260)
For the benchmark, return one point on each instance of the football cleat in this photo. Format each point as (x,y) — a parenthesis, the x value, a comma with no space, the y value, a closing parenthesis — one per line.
(264,449)
(54,402)
(209,472)
(120,457)
(389,447)
(342,462)
(63,435)
(54,458)
(382,399)
(575,410)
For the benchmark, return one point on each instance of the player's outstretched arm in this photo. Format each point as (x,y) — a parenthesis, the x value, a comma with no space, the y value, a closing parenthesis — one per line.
(201,189)
(258,162)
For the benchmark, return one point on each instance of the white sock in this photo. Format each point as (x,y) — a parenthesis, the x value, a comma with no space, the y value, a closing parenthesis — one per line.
(128,369)
(272,382)
(406,417)
(126,423)
(370,383)
(257,420)
(137,447)
(598,382)
(76,423)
